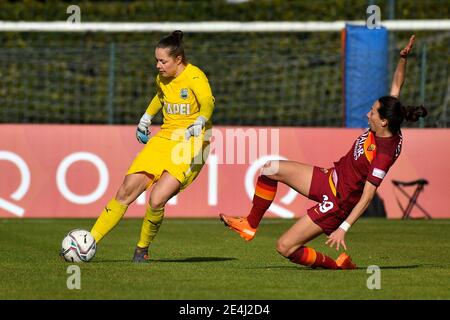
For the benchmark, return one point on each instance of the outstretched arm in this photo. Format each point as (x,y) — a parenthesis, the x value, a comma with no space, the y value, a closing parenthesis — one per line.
(337,238)
(400,71)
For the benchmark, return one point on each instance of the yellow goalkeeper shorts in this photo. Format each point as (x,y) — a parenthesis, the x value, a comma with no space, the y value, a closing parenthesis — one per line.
(181,159)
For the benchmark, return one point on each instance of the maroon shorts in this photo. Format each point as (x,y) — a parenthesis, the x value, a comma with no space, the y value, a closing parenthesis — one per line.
(326,214)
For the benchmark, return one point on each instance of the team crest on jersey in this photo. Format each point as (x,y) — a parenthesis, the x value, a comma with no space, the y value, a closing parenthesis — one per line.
(365,145)
(184,93)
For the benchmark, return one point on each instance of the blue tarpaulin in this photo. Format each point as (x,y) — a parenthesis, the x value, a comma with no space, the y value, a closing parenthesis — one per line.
(365,72)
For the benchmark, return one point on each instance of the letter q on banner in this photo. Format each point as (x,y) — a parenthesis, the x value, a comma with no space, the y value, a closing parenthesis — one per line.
(249,187)
(61,177)
(24,184)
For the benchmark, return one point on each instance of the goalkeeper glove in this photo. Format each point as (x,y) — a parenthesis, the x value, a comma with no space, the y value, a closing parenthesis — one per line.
(195,129)
(142,130)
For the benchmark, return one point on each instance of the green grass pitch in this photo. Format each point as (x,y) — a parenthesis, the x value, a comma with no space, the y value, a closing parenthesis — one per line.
(201,259)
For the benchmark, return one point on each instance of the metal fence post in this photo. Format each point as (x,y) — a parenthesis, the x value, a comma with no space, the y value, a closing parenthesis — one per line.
(423,75)
(112,61)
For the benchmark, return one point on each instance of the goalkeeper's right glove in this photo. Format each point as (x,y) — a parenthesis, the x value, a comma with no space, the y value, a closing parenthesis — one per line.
(142,130)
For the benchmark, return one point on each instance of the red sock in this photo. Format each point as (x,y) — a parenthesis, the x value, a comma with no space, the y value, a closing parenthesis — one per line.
(265,191)
(311,258)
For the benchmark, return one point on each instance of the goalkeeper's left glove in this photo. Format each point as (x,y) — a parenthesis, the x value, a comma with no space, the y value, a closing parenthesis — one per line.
(195,129)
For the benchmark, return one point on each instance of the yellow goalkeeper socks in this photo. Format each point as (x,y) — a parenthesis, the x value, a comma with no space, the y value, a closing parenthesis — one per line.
(152,221)
(108,219)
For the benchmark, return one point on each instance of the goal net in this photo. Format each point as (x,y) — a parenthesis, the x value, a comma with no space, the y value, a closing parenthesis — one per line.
(280,74)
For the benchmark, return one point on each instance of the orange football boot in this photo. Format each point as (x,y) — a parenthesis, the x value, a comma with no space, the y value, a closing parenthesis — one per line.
(240,225)
(344,262)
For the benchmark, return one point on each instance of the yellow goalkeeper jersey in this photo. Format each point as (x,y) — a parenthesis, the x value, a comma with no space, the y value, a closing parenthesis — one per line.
(182,99)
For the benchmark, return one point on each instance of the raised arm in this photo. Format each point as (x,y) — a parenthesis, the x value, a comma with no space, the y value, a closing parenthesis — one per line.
(400,71)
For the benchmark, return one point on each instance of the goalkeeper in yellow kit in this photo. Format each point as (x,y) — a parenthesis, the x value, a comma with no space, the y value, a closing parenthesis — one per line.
(173,158)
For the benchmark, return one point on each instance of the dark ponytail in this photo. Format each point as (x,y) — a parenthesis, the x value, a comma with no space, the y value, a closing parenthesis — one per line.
(413,113)
(174,42)
(392,110)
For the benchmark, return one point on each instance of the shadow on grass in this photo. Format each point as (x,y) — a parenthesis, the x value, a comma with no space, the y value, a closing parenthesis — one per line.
(194,259)
(299,267)
(414,266)
(190,259)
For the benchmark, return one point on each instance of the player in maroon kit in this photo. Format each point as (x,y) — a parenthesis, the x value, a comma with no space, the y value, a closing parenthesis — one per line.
(344,191)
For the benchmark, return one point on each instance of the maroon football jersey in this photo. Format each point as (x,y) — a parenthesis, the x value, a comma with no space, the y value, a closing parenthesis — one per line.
(368,160)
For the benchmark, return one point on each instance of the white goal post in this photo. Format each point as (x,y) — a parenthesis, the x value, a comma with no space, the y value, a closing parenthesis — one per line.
(215,26)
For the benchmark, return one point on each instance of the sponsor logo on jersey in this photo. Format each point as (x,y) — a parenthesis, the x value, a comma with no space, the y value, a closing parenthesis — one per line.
(184,93)
(359,145)
(371,147)
(177,108)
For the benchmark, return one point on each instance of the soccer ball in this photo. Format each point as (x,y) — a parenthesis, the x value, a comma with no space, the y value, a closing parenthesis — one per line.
(78,246)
